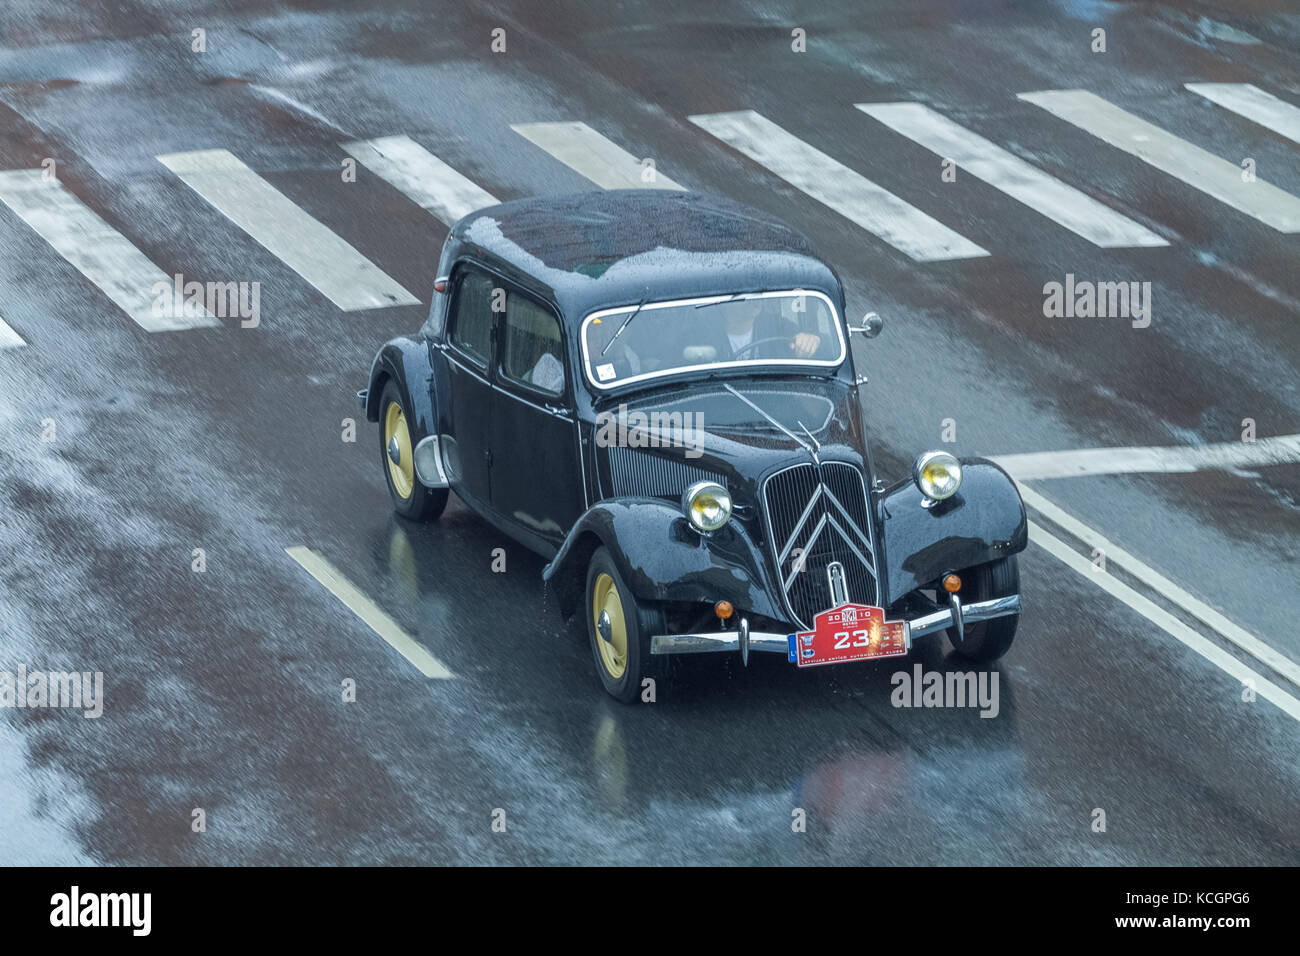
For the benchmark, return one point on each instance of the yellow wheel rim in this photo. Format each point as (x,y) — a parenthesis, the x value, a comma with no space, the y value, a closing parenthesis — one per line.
(402,471)
(605,600)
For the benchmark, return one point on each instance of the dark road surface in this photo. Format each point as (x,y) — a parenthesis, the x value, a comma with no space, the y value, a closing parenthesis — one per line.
(222,688)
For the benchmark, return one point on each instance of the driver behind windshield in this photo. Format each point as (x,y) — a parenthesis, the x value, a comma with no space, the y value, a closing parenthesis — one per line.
(751,329)
(754,329)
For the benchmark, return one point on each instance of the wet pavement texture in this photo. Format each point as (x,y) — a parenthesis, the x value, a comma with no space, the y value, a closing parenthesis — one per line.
(222,688)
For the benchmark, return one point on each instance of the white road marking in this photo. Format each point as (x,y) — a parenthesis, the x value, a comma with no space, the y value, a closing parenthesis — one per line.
(972,153)
(9,339)
(425,178)
(305,245)
(272,93)
(1165,621)
(369,612)
(1035,466)
(97,250)
(1153,579)
(589,153)
(1250,101)
(828,181)
(1177,157)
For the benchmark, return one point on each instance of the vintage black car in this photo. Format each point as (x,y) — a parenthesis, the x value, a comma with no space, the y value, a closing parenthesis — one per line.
(655,391)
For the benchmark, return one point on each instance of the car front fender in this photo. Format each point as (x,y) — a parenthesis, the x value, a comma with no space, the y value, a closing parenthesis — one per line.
(984,521)
(405,361)
(662,558)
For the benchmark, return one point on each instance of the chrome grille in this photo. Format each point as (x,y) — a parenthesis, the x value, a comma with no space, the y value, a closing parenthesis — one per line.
(817,515)
(638,474)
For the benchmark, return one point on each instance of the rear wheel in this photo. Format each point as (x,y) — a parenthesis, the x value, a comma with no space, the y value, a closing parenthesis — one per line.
(619,629)
(987,640)
(396,448)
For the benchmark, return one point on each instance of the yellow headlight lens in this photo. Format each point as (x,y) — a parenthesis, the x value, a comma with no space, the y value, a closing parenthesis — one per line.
(707,505)
(937,474)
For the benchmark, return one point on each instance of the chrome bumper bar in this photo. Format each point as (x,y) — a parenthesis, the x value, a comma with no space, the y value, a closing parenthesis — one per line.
(956,616)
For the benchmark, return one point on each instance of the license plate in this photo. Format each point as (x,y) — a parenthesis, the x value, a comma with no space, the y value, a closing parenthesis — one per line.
(851,632)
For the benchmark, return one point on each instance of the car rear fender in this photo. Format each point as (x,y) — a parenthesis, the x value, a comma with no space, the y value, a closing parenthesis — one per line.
(405,361)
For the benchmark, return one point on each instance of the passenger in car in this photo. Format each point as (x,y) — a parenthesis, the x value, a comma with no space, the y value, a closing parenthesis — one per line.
(548,373)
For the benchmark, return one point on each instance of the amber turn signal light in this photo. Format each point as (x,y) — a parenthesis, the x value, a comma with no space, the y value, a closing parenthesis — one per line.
(951,583)
(723,609)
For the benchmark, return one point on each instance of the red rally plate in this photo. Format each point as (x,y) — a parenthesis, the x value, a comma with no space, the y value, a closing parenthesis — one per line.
(851,632)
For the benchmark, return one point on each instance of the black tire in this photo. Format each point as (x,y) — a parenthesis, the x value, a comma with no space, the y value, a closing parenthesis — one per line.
(987,640)
(640,622)
(411,499)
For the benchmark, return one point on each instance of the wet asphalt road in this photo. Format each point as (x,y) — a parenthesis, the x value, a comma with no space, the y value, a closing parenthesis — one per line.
(222,688)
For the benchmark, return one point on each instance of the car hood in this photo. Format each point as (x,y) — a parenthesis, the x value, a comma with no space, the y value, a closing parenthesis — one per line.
(740,430)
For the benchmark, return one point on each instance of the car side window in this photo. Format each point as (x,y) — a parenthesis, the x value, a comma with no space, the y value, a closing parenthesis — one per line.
(532,354)
(471,320)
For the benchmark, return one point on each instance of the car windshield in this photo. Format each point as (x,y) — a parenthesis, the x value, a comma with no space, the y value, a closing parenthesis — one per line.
(648,340)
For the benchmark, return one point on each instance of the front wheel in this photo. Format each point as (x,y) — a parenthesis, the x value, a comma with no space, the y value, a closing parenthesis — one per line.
(988,640)
(619,629)
(396,449)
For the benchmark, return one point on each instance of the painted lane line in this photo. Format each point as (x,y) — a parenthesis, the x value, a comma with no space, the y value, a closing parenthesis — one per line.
(1153,579)
(1177,157)
(9,339)
(972,153)
(305,109)
(97,250)
(304,244)
(590,154)
(830,182)
(1248,100)
(422,176)
(369,612)
(1035,466)
(1165,621)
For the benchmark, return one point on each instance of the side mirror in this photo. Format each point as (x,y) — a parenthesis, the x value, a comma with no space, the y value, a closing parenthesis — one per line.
(871,325)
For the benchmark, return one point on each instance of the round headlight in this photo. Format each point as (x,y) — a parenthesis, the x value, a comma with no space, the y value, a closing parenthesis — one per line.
(707,505)
(937,474)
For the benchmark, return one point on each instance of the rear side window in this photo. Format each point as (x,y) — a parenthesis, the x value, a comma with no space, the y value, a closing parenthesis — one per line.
(471,319)
(532,348)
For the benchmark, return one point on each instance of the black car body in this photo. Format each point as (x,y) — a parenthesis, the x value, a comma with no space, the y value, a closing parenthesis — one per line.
(474,403)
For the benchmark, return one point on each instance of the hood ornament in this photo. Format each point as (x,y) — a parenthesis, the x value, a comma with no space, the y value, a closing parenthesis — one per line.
(838,584)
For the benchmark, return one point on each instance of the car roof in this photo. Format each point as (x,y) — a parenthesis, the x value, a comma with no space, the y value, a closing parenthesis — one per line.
(607,248)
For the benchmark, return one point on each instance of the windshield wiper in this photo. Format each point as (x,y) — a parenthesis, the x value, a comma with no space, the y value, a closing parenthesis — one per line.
(731,298)
(639,306)
(789,434)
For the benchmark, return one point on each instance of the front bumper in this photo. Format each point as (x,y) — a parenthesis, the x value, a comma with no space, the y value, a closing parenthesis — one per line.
(955,617)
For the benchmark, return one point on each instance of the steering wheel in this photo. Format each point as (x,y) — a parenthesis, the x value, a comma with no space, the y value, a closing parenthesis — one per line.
(757,342)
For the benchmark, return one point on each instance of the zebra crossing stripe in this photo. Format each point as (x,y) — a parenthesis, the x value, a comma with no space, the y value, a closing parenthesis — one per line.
(422,176)
(1177,157)
(97,250)
(587,152)
(9,339)
(1045,194)
(832,183)
(1250,101)
(304,244)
